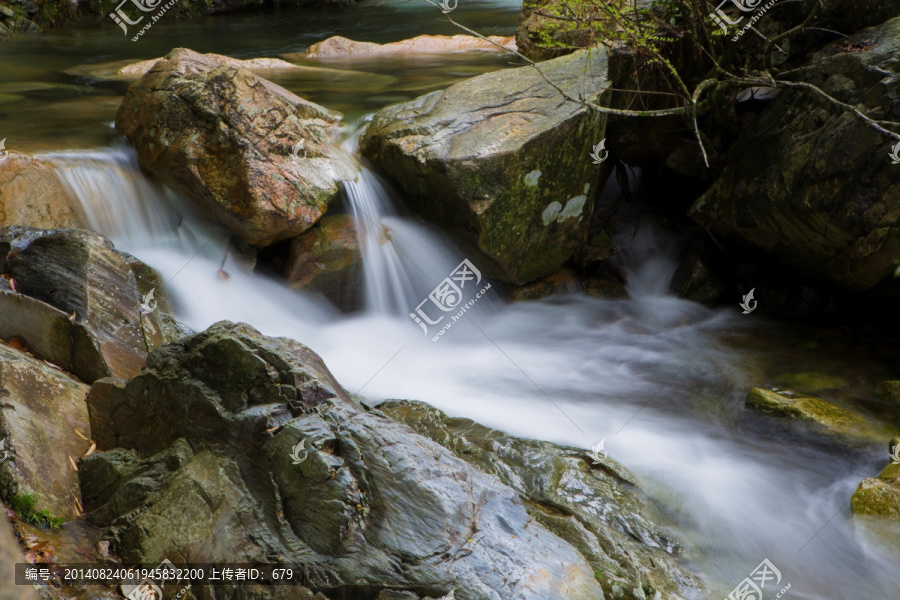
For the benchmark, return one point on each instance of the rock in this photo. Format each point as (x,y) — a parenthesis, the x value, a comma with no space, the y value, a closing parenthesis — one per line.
(811,382)
(604,289)
(70,272)
(693,280)
(40,409)
(31,194)
(563,281)
(879,497)
(593,507)
(502,161)
(341,47)
(830,416)
(129,69)
(541,37)
(7,11)
(10,554)
(326,259)
(823,196)
(888,391)
(224,137)
(369,505)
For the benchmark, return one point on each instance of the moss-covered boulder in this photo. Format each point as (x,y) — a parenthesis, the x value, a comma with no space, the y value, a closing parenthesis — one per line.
(827,415)
(44,428)
(327,260)
(503,161)
(229,140)
(234,447)
(812,184)
(879,496)
(595,507)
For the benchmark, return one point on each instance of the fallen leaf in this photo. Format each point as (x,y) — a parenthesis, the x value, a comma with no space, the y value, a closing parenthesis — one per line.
(19,344)
(90,450)
(81,435)
(223,275)
(72,460)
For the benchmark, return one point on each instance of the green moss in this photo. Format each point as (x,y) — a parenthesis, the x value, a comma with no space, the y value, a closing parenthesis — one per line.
(24,505)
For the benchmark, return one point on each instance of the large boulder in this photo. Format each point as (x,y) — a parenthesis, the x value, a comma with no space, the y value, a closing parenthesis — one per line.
(812,184)
(32,194)
(77,301)
(879,497)
(41,409)
(591,505)
(256,453)
(224,136)
(503,161)
(10,554)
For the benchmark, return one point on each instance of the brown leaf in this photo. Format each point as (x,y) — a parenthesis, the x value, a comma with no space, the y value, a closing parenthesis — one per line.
(19,344)
(72,460)
(90,450)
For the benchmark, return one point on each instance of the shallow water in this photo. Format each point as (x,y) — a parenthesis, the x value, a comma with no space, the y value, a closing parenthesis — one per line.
(660,380)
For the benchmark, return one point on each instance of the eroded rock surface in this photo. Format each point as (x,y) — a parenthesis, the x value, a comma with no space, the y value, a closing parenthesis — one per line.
(214,424)
(229,140)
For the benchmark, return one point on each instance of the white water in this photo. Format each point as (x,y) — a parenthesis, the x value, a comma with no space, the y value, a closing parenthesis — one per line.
(648,374)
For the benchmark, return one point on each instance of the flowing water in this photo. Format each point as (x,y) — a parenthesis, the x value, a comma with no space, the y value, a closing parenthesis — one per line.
(659,379)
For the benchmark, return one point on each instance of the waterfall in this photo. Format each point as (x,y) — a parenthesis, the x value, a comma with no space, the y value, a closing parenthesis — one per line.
(648,374)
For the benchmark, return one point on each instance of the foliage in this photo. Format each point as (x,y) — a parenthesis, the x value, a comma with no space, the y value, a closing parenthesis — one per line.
(24,506)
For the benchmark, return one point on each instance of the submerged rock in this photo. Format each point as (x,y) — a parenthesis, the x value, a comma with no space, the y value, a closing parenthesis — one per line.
(595,507)
(32,195)
(41,409)
(341,47)
(236,447)
(253,155)
(327,259)
(812,184)
(503,161)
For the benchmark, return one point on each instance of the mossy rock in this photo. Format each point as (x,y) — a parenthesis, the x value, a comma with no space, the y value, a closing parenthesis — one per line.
(879,497)
(830,416)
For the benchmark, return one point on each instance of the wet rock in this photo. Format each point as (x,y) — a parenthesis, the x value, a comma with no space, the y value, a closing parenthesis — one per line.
(341,47)
(40,410)
(224,137)
(604,289)
(78,285)
(10,554)
(364,503)
(563,281)
(879,497)
(826,414)
(502,161)
(31,194)
(888,391)
(812,185)
(326,259)
(693,280)
(129,70)
(595,507)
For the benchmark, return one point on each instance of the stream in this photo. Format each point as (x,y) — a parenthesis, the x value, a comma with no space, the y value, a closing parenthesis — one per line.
(660,380)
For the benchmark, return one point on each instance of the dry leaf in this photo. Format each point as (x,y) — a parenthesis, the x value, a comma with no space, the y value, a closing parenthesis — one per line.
(81,435)
(72,460)
(90,450)
(19,344)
